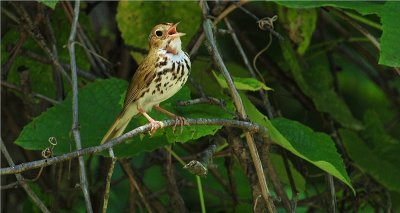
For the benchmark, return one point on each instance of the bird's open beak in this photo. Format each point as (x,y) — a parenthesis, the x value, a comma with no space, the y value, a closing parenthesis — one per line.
(173,33)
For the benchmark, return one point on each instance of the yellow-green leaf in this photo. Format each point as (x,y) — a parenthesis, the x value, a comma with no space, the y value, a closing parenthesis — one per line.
(247,84)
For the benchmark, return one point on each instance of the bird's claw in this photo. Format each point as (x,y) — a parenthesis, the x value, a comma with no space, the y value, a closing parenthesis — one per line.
(154,126)
(181,121)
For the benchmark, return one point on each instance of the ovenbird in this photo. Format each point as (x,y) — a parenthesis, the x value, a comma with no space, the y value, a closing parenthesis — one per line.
(161,74)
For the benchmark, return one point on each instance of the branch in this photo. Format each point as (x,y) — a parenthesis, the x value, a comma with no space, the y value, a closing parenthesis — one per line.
(224,13)
(95,59)
(246,126)
(213,50)
(175,198)
(75,120)
(43,59)
(332,193)
(37,95)
(29,26)
(358,27)
(151,203)
(21,180)
(263,94)
(108,180)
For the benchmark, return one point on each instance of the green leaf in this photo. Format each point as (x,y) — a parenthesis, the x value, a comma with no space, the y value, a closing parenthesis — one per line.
(50,3)
(364,8)
(300,24)
(98,107)
(317,83)
(387,11)
(383,145)
(316,148)
(385,172)
(247,84)
(135,19)
(352,82)
(390,45)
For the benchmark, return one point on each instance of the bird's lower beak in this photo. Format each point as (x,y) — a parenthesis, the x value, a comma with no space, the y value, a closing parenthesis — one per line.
(173,33)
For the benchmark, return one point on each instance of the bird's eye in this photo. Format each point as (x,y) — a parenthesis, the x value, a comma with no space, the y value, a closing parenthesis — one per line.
(159,33)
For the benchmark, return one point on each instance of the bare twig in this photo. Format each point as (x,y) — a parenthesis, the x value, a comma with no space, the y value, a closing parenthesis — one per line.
(5,68)
(332,194)
(176,200)
(263,94)
(207,25)
(207,100)
(98,66)
(372,61)
(21,180)
(224,13)
(75,120)
(275,179)
(291,180)
(37,95)
(270,29)
(108,180)
(363,31)
(358,27)
(238,148)
(10,15)
(43,59)
(127,168)
(276,72)
(57,78)
(28,26)
(246,126)
(12,185)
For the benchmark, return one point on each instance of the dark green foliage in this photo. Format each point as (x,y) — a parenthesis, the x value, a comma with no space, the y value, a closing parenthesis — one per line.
(334,98)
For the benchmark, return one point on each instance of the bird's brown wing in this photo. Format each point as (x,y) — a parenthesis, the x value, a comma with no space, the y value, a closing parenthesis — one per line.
(142,78)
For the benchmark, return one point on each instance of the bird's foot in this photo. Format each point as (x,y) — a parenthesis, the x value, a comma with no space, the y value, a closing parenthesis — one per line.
(179,120)
(154,124)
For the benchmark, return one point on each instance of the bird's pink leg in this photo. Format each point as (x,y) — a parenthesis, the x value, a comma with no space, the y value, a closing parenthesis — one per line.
(179,119)
(154,124)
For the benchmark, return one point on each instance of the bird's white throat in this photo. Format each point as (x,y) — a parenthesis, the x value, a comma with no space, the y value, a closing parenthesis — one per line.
(175,45)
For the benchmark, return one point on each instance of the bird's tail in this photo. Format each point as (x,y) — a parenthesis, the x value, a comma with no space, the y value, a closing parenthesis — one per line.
(119,124)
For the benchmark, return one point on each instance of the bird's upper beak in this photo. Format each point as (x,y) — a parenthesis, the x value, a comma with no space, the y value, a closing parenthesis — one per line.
(173,33)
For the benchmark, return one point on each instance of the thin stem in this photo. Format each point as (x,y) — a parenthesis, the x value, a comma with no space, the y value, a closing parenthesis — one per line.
(246,61)
(198,180)
(175,198)
(332,193)
(108,180)
(224,13)
(213,50)
(127,168)
(363,20)
(176,156)
(200,189)
(361,29)
(75,119)
(28,26)
(37,95)
(36,200)
(246,126)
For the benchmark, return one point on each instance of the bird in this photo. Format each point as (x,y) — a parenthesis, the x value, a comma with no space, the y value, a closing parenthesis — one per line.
(161,74)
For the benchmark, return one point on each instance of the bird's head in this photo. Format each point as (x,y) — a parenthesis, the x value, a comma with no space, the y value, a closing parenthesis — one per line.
(164,36)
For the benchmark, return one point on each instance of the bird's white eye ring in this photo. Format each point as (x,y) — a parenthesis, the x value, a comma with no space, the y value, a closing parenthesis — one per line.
(159,33)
